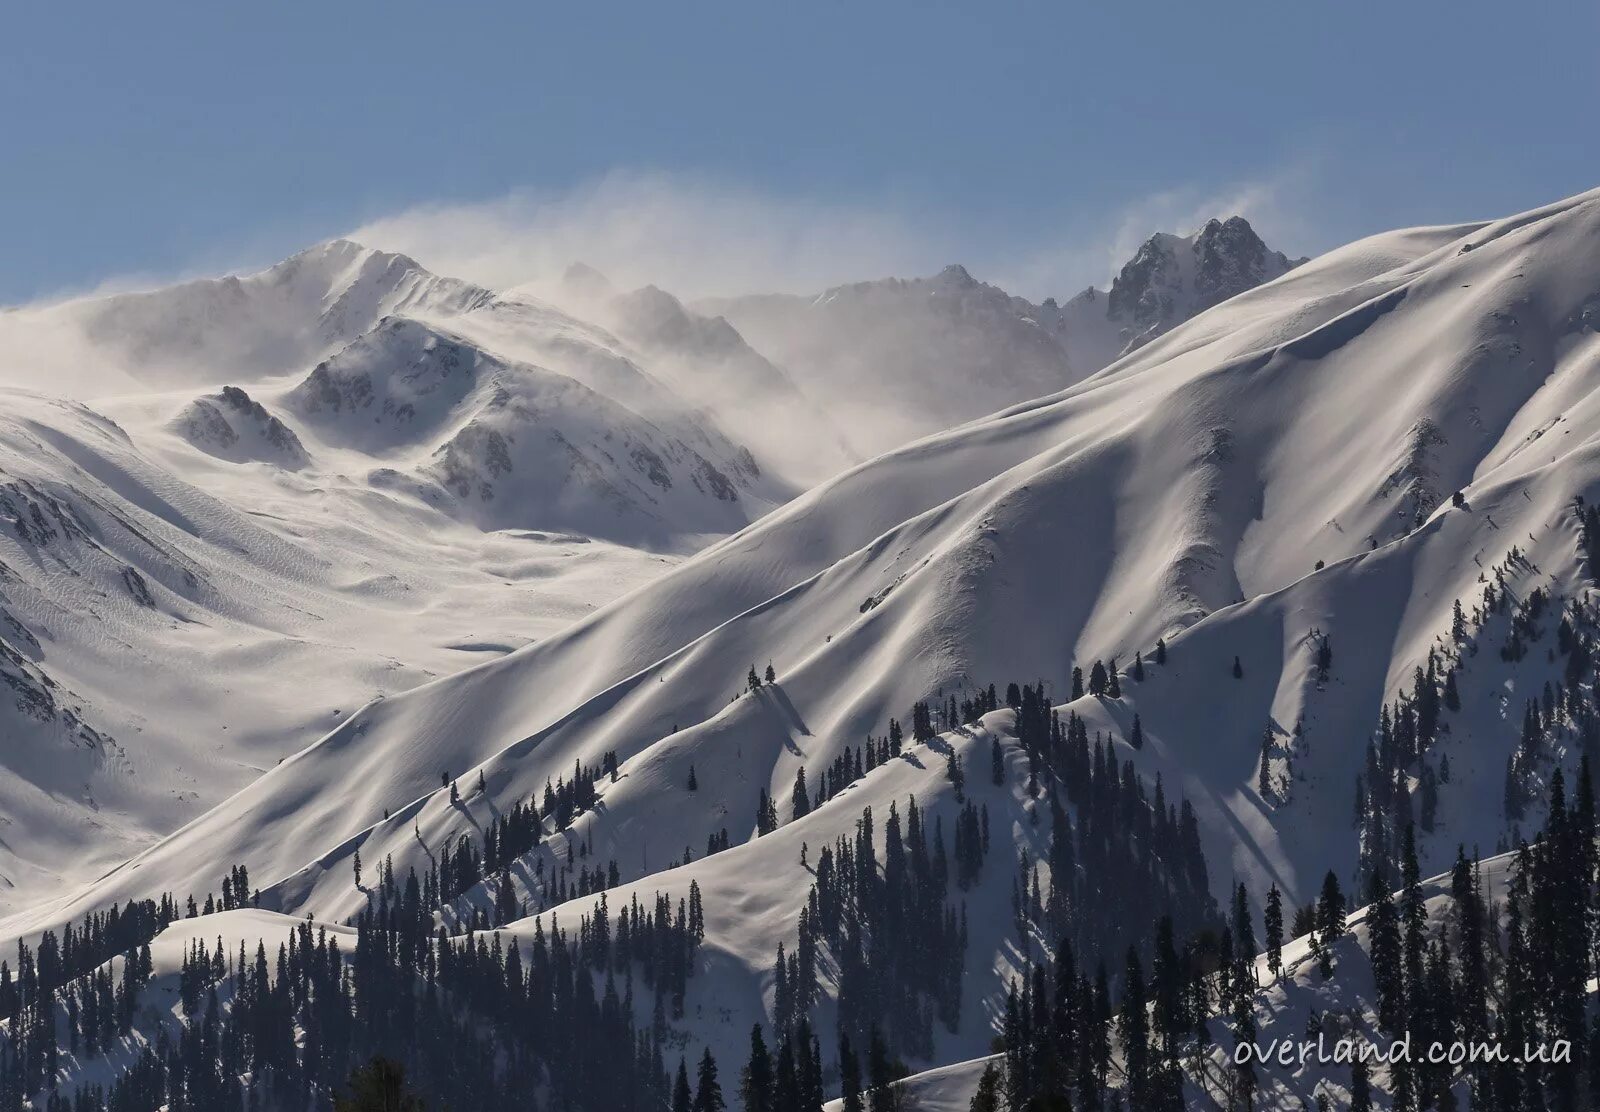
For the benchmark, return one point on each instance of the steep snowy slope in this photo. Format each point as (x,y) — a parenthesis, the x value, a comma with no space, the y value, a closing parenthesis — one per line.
(1189,491)
(892,360)
(518,446)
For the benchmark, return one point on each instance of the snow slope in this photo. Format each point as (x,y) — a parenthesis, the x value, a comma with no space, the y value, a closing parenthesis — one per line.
(516,445)
(1189,491)
(166,639)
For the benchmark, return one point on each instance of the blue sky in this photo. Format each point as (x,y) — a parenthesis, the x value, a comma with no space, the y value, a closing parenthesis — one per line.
(1029,140)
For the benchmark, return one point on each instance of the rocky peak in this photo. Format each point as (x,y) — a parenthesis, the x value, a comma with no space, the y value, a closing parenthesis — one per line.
(1231,258)
(1172,278)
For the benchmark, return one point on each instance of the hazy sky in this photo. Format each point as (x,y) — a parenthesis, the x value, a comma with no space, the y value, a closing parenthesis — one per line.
(715,146)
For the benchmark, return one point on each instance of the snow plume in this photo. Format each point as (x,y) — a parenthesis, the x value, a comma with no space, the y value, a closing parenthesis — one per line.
(700,237)
(51,353)
(691,235)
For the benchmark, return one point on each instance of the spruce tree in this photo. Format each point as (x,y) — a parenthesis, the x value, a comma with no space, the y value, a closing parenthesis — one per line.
(1133,1027)
(378,1086)
(1273,920)
(849,1076)
(682,1099)
(755,1083)
(1097,679)
(988,1094)
(802,795)
(953,773)
(1264,770)
(1414,916)
(1331,908)
(1360,1086)
(708,1091)
(1383,926)
(881,1075)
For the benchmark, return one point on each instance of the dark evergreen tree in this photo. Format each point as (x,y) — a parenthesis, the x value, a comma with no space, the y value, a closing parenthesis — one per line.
(378,1086)
(1264,770)
(801,806)
(1274,930)
(1097,679)
(849,1076)
(708,1090)
(1360,1086)
(756,1082)
(682,1097)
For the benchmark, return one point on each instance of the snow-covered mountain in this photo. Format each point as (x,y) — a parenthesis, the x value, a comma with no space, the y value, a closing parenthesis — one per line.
(1323,553)
(896,359)
(1259,502)
(246,328)
(318,479)
(515,445)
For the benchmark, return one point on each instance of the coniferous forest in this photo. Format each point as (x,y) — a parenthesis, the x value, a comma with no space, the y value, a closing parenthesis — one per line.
(1134,983)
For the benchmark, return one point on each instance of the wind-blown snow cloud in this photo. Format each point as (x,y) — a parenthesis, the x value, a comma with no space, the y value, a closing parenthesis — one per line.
(698,237)
(693,236)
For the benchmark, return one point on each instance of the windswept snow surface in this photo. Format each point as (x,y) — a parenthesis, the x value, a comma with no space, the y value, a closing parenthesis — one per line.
(165,640)
(1279,466)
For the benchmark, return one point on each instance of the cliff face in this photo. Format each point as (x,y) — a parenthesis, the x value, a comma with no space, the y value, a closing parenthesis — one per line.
(1172,278)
